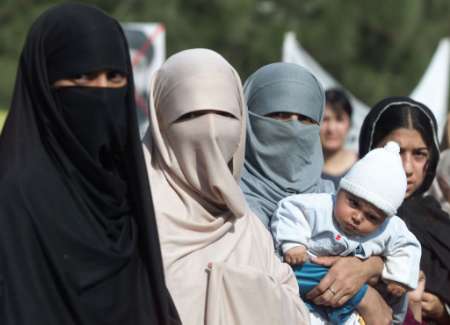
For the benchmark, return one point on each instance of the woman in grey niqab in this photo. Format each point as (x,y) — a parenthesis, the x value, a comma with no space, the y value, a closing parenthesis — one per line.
(219,260)
(282,157)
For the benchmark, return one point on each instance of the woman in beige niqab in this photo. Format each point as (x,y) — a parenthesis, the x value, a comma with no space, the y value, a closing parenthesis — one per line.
(218,257)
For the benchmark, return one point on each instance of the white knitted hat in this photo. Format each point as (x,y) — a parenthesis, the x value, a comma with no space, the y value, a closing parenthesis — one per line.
(378,178)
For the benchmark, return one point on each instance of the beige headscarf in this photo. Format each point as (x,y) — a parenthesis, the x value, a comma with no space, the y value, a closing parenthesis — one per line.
(194,160)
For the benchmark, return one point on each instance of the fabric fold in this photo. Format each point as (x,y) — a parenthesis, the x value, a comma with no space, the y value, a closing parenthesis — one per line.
(194,159)
(282,157)
(79,241)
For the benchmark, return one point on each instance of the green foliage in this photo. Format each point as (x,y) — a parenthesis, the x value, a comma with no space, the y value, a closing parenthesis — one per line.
(374,48)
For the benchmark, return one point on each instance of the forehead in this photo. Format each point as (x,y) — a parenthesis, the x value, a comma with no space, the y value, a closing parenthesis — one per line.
(81,39)
(408,139)
(335,111)
(197,93)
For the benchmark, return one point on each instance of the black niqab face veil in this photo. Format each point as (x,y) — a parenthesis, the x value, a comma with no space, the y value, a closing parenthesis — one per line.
(79,243)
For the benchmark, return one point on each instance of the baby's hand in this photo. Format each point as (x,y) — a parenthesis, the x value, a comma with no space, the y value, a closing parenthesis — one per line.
(396,288)
(296,255)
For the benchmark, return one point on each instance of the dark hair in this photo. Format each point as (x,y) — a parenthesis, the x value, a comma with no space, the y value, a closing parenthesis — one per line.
(403,116)
(445,143)
(394,113)
(338,101)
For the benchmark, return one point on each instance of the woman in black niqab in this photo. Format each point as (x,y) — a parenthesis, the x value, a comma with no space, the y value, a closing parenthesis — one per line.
(79,242)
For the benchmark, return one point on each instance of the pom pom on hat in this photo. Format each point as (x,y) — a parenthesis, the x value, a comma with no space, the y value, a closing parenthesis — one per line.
(378,178)
(393,147)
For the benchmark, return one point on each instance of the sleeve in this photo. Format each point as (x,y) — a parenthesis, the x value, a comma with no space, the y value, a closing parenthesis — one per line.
(290,224)
(402,252)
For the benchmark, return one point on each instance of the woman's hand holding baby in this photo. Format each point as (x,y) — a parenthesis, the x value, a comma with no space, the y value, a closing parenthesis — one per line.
(346,276)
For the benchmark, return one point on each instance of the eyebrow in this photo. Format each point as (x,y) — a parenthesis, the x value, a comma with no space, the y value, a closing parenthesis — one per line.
(374,212)
(415,149)
(367,207)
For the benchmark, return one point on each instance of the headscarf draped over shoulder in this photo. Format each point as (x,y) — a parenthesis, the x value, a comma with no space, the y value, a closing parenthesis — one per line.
(194,151)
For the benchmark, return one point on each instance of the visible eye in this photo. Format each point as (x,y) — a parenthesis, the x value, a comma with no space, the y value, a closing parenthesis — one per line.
(288,116)
(188,116)
(195,114)
(421,154)
(342,118)
(305,120)
(282,116)
(354,203)
(373,218)
(103,78)
(226,114)
(116,77)
(83,78)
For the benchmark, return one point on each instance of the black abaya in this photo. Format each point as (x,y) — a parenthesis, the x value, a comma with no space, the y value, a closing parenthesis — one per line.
(79,242)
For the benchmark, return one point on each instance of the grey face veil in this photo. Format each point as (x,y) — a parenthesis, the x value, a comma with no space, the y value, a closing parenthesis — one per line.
(282,158)
(194,162)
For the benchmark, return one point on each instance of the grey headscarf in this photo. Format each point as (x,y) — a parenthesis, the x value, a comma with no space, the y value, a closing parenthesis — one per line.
(282,157)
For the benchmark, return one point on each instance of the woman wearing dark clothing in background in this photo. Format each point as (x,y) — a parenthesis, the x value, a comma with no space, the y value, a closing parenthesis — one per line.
(79,243)
(413,126)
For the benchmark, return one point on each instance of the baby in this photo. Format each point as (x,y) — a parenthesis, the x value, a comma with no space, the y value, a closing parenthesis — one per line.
(359,221)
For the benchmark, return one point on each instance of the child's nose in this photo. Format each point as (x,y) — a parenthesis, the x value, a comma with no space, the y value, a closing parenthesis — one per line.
(357,217)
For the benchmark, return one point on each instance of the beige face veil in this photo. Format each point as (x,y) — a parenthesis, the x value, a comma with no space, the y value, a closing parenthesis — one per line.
(198,128)
(194,152)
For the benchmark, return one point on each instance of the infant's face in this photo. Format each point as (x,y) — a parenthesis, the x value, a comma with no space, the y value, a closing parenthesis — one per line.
(356,216)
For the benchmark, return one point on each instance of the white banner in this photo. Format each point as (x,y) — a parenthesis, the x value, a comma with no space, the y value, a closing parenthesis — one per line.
(432,89)
(147,42)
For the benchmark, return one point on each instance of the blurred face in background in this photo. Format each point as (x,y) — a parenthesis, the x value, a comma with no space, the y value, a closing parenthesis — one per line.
(334,129)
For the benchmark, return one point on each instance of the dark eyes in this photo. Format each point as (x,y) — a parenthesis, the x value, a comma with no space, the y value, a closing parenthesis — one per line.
(82,77)
(281,115)
(342,118)
(372,218)
(115,76)
(305,120)
(192,115)
(286,116)
(419,154)
(111,76)
(353,202)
